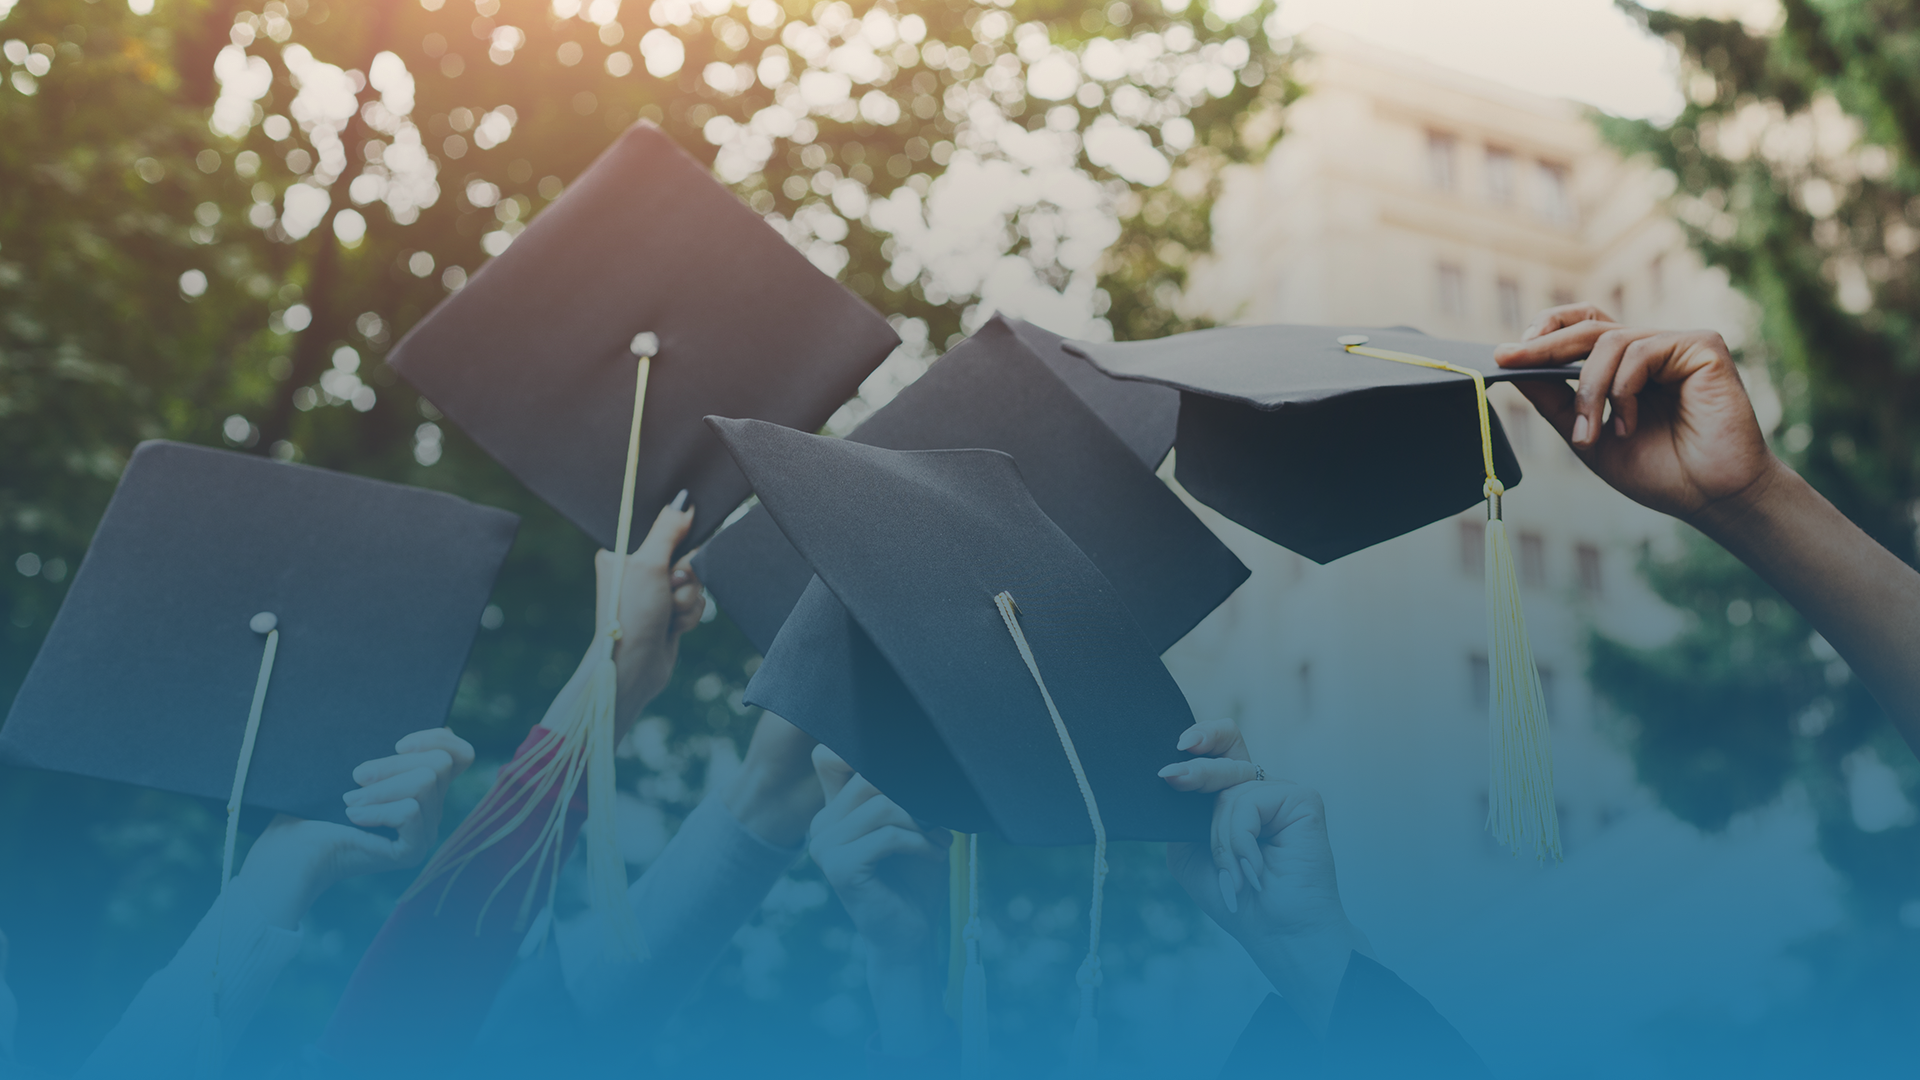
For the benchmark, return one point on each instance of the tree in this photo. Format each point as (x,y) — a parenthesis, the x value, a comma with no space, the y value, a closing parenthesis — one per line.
(1794,167)
(215,219)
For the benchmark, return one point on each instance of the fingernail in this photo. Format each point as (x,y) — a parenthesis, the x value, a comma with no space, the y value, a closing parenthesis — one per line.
(1252,877)
(1620,426)
(1188,740)
(680,500)
(1171,771)
(1226,893)
(1580,429)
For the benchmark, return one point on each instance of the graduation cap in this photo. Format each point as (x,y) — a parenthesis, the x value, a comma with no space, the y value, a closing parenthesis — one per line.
(249,631)
(963,653)
(1085,444)
(646,255)
(1329,439)
(584,357)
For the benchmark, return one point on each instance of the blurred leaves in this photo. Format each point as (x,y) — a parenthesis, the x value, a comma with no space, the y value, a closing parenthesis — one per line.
(217,218)
(1793,168)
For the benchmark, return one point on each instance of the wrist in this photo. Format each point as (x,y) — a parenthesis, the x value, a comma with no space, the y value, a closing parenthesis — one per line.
(1736,520)
(906,1003)
(1307,966)
(772,803)
(281,881)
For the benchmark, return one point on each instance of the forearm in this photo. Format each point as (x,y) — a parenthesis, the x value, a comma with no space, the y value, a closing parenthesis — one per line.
(1857,594)
(906,1002)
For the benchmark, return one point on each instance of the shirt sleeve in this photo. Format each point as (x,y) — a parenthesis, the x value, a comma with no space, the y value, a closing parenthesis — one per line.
(689,903)
(234,954)
(425,985)
(1380,1027)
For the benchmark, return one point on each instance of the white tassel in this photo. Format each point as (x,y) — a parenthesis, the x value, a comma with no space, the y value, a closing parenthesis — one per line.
(1520,802)
(975,1053)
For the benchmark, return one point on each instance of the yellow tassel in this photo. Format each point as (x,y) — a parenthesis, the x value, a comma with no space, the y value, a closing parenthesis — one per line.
(578,746)
(1520,801)
(1520,806)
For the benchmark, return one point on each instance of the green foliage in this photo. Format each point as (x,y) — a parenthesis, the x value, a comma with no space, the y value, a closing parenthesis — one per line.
(1794,165)
(216,219)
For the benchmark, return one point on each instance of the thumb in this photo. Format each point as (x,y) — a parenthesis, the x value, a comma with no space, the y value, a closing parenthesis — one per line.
(833,770)
(670,527)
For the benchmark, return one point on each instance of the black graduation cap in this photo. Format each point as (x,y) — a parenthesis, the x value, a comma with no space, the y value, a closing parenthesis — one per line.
(646,253)
(147,676)
(899,658)
(1319,449)
(1085,444)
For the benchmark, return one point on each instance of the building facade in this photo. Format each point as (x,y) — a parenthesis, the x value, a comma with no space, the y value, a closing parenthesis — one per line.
(1405,194)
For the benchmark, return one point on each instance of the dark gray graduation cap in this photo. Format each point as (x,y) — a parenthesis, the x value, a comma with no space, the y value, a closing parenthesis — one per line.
(534,358)
(897,657)
(1085,444)
(1320,450)
(148,672)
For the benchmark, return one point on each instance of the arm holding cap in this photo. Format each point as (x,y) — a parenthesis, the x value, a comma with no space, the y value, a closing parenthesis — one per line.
(1684,440)
(254,926)
(891,875)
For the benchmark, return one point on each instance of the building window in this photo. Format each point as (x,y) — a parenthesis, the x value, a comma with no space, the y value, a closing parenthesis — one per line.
(1453,290)
(1480,680)
(1533,560)
(1587,557)
(1500,176)
(1473,547)
(1511,316)
(1440,153)
(1556,194)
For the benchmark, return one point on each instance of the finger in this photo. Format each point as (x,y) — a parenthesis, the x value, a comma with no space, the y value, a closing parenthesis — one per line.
(1208,774)
(1554,318)
(1638,366)
(1243,827)
(689,603)
(1214,738)
(670,527)
(438,762)
(1562,346)
(412,784)
(834,772)
(387,815)
(1596,383)
(439,738)
(1553,401)
(1221,846)
(872,815)
(892,840)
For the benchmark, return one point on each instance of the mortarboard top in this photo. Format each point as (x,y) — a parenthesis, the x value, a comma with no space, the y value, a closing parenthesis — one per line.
(1002,390)
(147,674)
(1321,450)
(535,357)
(898,658)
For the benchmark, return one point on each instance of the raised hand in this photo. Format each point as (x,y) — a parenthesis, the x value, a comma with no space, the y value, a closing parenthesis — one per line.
(1682,438)
(295,860)
(659,601)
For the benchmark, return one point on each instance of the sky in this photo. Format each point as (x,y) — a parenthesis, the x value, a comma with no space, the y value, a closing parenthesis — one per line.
(1587,50)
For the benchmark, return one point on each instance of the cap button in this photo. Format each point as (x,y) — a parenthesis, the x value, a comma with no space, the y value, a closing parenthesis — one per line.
(264,622)
(1351,339)
(644,343)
